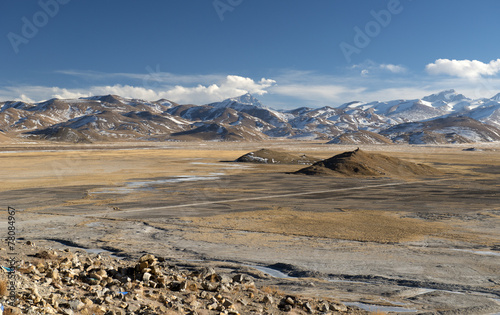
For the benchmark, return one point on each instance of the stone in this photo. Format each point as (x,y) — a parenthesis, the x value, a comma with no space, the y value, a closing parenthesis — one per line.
(239,278)
(133,307)
(66,263)
(142,266)
(146,276)
(178,286)
(11,310)
(53,274)
(225,279)
(243,301)
(228,304)
(338,307)
(156,270)
(123,305)
(268,299)
(67,311)
(76,305)
(324,307)
(212,306)
(209,286)
(308,307)
(151,259)
(87,301)
(287,308)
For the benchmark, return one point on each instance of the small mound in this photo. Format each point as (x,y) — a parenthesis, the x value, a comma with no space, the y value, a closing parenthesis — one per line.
(266,156)
(360,163)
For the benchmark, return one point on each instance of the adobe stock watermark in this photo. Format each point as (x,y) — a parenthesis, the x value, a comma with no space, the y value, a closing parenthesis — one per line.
(153,79)
(30,27)
(485,87)
(363,37)
(223,6)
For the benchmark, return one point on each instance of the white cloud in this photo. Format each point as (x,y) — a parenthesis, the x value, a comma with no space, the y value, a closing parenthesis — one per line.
(230,86)
(470,69)
(369,67)
(393,68)
(37,93)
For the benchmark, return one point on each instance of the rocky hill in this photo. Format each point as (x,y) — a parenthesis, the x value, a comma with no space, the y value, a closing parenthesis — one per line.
(267,156)
(361,163)
(446,117)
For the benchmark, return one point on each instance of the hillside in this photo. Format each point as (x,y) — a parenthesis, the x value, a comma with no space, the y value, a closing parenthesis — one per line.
(360,137)
(361,163)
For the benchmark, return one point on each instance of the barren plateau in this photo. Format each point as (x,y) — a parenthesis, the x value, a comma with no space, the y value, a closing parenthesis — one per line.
(423,244)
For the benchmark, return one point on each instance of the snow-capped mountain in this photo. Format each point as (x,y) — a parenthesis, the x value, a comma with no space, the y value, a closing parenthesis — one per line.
(438,118)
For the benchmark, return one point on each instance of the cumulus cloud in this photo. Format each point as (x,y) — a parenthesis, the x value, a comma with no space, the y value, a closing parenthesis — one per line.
(470,69)
(230,86)
(37,93)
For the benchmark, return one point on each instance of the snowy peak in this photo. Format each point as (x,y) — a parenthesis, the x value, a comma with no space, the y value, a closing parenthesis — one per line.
(245,100)
(110,98)
(445,96)
(496,98)
(248,99)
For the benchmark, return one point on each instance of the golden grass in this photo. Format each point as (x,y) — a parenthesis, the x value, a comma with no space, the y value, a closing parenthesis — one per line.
(272,290)
(91,310)
(366,226)
(3,288)
(111,166)
(105,167)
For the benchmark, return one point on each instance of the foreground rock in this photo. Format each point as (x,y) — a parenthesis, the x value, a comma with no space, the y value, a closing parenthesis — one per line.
(52,282)
(361,163)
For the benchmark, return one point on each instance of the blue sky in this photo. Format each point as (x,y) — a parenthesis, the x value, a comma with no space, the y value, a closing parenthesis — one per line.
(288,53)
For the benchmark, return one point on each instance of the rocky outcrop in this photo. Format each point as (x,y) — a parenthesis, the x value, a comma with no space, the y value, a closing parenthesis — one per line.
(66,282)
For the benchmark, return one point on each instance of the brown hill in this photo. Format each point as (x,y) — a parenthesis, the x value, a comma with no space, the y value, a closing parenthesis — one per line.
(360,137)
(64,134)
(218,132)
(4,138)
(266,156)
(361,163)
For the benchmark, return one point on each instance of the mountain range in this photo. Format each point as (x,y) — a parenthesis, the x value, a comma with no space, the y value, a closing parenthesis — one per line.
(445,117)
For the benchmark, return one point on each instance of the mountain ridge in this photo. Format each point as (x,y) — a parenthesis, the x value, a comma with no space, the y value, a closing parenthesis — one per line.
(433,118)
